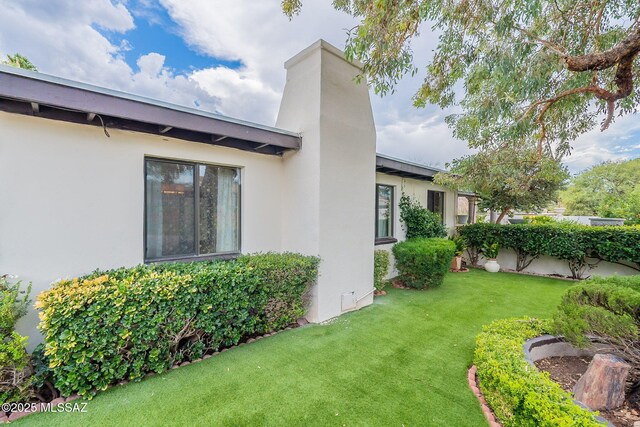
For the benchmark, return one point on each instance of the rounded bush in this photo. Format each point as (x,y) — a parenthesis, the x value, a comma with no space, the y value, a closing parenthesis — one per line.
(422,263)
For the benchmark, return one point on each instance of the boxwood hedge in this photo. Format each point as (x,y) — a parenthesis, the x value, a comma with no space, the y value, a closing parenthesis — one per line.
(423,263)
(518,393)
(572,243)
(120,324)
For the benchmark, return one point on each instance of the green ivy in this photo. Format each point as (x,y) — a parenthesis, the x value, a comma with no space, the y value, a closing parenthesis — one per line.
(418,221)
(518,393)
(423,263)
(118,325)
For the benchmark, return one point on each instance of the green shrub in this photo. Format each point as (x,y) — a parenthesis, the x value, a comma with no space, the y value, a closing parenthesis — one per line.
(460,242)
(490,250)
(572,243)
(380,268)
(418,221)
(423,263)
(606,308)
(15,380)
(120,324)
(537,219)
(519,394)
(285,280)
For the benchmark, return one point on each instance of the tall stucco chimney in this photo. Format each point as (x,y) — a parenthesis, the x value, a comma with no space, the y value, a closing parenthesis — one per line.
(329,189)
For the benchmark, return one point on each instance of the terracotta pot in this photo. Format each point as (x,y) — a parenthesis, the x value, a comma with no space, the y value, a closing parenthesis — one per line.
(456,263)
(492,266)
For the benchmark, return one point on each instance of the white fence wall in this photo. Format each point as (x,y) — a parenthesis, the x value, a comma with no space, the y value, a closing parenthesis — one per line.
(552,266)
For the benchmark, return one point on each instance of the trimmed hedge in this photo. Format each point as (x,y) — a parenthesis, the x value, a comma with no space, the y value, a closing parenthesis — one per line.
(423,263)
(572,243)
(380,268)
(607,308)
(120,324)
(518,393)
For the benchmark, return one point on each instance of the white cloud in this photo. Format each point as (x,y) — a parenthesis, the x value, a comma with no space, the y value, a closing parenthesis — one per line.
(595,146)
(62,38)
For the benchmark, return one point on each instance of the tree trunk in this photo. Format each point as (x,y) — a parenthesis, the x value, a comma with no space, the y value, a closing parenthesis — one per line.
(502,215)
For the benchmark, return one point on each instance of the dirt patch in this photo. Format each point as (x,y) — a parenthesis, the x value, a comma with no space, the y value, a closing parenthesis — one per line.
(564,370)
(567,370)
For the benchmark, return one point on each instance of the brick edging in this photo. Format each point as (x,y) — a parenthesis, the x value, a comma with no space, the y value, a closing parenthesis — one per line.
(486,410)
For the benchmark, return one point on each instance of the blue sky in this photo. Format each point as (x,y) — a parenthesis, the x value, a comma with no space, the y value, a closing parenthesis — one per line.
(155,31)
(227,56)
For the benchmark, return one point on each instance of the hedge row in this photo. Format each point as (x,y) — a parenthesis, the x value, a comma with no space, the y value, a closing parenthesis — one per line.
(572,243)
(423,263)
(120,324)
(519,394)
(380,268)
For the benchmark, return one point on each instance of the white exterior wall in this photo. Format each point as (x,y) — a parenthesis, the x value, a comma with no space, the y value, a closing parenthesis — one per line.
(547,265)
(73,200)
(418,189)
(334,174)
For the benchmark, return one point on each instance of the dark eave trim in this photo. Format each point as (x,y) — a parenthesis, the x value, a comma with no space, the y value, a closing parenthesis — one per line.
(65,100)
(403,169)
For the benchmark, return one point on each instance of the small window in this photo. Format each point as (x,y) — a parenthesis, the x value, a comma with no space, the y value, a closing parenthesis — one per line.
(435,203)
(384,211)
(190,209)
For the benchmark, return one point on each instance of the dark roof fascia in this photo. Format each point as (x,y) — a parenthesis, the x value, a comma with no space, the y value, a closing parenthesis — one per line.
(405,169)
(28,92)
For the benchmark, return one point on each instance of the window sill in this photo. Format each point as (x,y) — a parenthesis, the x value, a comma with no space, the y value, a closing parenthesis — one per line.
(385,241)
(190,258)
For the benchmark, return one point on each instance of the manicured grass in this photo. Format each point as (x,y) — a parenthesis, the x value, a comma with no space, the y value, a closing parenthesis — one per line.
(401,361)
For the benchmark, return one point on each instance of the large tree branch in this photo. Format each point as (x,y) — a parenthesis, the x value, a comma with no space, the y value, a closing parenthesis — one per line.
(629,46)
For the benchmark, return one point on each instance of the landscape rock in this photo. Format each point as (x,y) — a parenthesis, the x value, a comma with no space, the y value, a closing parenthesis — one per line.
(302,321)
(602,386)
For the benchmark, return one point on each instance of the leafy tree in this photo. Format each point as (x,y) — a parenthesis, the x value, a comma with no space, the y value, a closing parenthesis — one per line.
(543,71)
(610,189)
(508,178)
(19,61)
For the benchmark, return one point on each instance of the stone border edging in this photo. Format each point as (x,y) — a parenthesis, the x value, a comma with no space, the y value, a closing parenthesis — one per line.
(486,410)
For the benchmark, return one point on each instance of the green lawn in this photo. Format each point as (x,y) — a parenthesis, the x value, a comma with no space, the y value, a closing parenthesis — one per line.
(401,361)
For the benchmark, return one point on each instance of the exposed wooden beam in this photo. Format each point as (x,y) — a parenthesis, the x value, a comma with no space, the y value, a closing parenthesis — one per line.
(35,107)
(165,129)
(91,116)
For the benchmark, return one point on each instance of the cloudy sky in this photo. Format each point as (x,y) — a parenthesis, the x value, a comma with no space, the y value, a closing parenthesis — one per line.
(227,56)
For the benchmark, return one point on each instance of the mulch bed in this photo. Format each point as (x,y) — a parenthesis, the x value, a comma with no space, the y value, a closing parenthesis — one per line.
(567,370)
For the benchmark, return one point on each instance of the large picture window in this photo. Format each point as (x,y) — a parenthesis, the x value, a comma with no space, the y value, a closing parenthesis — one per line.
(435,203)
(384,211)
(190,209)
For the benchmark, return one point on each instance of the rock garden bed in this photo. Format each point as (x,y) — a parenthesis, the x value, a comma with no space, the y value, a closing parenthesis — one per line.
(567,370)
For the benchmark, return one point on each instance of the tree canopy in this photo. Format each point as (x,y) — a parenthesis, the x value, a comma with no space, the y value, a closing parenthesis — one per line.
(610,190)
(19,61)
(506,179)
(521,70)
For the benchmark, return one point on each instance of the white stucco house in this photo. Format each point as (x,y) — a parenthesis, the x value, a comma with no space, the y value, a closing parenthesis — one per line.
(94,178)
